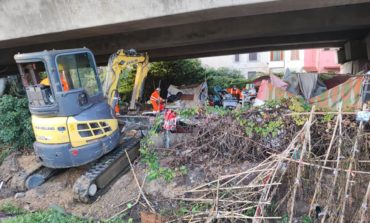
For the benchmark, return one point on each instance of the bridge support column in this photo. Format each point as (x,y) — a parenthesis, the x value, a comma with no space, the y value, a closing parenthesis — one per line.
(367,40)
(354,56)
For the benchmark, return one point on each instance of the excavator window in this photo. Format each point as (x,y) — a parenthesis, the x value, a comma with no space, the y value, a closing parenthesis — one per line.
(78,71)
(37,84)
(33,73)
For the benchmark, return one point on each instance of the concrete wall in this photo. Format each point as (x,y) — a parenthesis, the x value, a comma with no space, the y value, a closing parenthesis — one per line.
(244,65)
(22,18)
(174,29)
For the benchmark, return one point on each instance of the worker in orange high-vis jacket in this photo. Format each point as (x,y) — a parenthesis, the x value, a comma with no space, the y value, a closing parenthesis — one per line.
(234,91)
(156,100)
(65,86)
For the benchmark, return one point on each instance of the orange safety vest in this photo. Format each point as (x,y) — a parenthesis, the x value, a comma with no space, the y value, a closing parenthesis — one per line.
(155,99)
(234,92)
(64,83)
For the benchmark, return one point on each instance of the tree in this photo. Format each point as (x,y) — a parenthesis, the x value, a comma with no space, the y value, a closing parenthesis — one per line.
(225,77)
(179,72)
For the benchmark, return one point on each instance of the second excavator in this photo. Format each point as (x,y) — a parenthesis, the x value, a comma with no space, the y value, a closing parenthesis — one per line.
(73,116)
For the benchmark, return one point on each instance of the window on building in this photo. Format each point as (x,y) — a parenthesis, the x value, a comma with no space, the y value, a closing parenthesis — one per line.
(252,74)
(252,57)
(236,59)
(294,55)
(277,55)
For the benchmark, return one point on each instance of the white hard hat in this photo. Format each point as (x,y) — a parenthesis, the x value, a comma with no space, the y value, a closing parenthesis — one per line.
(158,89)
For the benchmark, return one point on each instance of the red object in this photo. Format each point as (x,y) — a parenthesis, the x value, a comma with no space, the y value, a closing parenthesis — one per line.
(336,80)
(169,120)
(75,152)
(258,81)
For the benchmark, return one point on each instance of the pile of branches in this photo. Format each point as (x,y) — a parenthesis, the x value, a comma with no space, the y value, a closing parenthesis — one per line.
(235,137)
(322,175)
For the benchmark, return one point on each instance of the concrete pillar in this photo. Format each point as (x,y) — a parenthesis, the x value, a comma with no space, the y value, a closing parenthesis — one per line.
(341,56)
(367,40)
(357,55)
(355,49)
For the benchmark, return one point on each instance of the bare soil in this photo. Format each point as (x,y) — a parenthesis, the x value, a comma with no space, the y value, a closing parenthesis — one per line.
(58,190)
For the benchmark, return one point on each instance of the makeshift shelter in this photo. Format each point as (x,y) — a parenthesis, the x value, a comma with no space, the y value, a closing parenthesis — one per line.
(258,81)
(336,80)
(187,96)
(348,93)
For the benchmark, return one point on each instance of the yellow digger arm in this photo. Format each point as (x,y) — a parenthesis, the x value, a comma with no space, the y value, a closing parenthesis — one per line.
(118,63)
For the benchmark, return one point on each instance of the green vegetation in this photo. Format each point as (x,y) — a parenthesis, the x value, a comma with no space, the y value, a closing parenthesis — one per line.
(186,208)
(48,216)
(15,121)
(9,208)
(150,157)
(225,77)
(264,130)
(217,110)
(306,219)
(298,105)
(250,212)
(187,112)
(284,218)
(179,72)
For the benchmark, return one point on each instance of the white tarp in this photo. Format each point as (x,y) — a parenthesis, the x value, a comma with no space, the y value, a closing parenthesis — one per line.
(198,91)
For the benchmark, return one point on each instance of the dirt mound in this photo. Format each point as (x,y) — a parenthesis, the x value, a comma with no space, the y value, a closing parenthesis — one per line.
(58,190)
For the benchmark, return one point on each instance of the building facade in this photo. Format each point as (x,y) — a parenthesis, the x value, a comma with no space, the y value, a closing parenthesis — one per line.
(253,64)
(248,64)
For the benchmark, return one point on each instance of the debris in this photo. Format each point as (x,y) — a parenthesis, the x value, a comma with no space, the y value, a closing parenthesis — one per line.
(140,194)
(147,217)
(19,195)
(319,165)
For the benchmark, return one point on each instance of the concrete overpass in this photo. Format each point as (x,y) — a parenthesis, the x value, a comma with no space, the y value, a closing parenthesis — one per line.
(172,29)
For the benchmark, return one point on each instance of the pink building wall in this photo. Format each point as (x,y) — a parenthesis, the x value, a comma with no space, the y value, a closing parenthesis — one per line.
(321,61)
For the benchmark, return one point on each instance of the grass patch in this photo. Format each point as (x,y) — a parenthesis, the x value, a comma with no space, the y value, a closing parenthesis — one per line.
(9,208)
(3,154)
(48,216)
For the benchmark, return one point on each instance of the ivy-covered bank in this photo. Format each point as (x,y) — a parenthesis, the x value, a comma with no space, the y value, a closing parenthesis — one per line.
(15,121)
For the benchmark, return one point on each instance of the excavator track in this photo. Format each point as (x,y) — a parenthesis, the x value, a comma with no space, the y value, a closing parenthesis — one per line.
(95,179)
(23,180)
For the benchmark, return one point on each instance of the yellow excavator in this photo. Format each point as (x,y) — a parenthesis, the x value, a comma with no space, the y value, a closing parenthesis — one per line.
(73,116)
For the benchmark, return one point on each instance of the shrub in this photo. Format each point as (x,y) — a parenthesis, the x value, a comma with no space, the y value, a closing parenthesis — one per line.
(15,121)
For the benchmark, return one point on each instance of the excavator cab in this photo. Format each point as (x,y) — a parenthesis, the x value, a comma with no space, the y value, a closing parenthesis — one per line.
(71,119)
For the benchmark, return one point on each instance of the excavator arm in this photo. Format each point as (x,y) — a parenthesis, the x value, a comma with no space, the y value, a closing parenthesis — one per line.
(119,62)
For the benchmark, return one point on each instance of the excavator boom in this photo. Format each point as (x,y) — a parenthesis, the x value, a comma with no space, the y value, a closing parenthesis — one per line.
(120,62)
